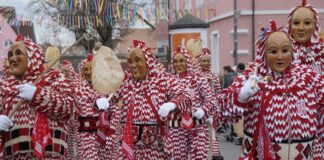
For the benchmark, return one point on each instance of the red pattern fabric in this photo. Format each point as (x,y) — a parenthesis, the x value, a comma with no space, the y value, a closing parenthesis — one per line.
(52,98)
(104,129)
(127,143)
(41,136)
(215,85)
(292,98)
(161,89)
(88,147)
(311,54)
(196,140)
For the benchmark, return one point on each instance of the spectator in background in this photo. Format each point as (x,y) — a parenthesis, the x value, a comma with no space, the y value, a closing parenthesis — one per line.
(229,76)
(240,68)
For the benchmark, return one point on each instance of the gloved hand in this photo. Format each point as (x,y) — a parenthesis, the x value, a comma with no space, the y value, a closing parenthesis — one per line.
(248,90)
(210,120)
(5,123)
(102,103)
(199,113)
(166,108)
(27,91)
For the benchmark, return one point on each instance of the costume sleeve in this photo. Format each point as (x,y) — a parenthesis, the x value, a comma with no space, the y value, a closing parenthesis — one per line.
(230,107)
(87,97)
(318,81)
(207,96)
(216,83)
(54,97)
(216,86)
(175,92)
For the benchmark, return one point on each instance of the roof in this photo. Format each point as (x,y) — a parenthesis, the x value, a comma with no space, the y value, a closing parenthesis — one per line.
(9,13)
(25,30)
(189,21)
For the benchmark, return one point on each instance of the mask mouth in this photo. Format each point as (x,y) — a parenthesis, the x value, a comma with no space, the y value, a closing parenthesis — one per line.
(87,75)
(179,68)
(135,70)
(280,64)
(15,64)
(301,34)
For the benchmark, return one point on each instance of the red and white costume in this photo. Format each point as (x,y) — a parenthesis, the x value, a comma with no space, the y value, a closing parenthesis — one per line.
(74,80)
(89,118)
(281,118)
(215,85)
(43,117)
(312,54)
(2,80)
(182,142)
(139,100)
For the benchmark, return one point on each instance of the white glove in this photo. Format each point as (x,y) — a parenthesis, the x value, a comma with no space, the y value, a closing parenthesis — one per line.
(5,123)
(102,103)
(27,91)
(210,120)
(248,90)
(166,108)
(199,113)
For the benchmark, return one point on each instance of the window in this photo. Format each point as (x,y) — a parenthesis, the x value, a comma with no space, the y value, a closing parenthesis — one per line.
(199,3)
(212,1)
(177,5)
(163,4)
(188,5)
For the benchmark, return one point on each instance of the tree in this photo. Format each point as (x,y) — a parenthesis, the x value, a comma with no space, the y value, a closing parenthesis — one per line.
(57,11)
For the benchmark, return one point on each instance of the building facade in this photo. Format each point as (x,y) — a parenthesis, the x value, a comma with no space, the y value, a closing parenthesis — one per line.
(251,16)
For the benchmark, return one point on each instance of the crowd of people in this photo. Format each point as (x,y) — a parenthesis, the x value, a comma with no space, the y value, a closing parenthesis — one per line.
(51,112)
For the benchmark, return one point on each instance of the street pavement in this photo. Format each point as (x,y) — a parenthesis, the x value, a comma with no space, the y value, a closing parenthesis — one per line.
(228,150)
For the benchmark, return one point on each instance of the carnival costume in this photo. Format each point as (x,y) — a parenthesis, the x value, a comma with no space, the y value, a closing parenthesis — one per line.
(310,53)
(280,111)
(188,136)
(90,118)
(215,115)
(39,128)
(74,80)
(141,101)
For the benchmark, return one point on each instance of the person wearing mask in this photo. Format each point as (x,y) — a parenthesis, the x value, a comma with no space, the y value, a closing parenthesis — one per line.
(35,106)
(145,96)
(190,141)
(279,100)
(214,120)
(303,27)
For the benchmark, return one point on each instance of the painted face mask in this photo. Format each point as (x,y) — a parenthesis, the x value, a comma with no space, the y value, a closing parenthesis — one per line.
(205,62)
(137,64)
(18,59)
(278,52)
(85,67)
(274,51)
(180,63)
(302,25)
(87,71)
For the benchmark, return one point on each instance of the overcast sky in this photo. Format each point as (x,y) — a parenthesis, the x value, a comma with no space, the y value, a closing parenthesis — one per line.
(20,5)
(45,31)
(66,37)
